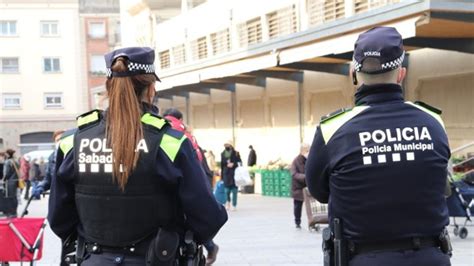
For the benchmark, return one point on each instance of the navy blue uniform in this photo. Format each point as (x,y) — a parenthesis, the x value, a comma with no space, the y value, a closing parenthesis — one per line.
(45,184)
(382,167)
(180,172)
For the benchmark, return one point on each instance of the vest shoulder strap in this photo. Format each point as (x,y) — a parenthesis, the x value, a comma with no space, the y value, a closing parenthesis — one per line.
(88,118)
(433,111)
(332,122)
(154,120)
(429,107)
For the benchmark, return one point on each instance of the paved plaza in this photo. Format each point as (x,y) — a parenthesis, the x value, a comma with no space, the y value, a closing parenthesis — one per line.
(260,232)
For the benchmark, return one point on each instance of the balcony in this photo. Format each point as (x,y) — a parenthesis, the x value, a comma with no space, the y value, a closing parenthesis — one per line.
(271,21)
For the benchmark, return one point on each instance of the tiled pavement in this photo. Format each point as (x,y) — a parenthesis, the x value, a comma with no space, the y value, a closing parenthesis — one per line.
(260,232)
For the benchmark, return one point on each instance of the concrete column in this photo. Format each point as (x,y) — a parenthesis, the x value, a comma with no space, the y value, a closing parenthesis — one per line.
(188,120)
(349,8)
(233,104)
(299,98)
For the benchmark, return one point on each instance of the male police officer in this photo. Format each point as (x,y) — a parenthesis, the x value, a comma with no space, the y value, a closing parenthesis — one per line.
(382,165)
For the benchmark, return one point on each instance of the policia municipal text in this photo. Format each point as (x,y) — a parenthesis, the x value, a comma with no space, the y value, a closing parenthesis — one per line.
(382,166)
(128,185)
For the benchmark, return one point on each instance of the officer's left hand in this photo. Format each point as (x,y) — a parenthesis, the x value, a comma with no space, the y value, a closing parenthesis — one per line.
(37,192)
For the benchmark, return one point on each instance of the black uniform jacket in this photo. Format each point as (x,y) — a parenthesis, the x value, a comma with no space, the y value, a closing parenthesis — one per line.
(382,166)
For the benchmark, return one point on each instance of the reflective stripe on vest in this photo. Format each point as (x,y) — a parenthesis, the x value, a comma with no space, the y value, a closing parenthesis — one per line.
(329,127)
(428,111)
(88,118)
(171,145)
(66,144)
(153,121)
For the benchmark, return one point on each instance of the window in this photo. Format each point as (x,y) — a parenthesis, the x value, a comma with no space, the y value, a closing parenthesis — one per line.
(9,65)
(97,30)
(53,100)
(11,100)
(51,64)
(97,65)
(49,28)
(7,28)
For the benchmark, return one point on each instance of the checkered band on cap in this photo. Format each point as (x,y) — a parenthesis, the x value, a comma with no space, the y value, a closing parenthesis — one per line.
(132,67)
(357,66)
(385,66)
(135,67)
(395,63)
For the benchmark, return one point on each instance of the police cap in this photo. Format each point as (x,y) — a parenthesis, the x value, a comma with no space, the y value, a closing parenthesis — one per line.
(140,61)
(384,47)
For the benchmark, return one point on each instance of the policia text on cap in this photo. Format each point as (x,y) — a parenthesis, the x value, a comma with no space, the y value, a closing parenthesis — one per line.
(382,166)
(129,185)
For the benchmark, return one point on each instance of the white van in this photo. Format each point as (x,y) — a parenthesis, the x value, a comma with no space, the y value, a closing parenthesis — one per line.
(38,155)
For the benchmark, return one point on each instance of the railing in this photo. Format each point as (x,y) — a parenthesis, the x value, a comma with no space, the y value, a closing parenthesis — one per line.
(220,42)
(282,22)
(250,32)
(361,6)
(321,11)
(298,15)
(199,48)
(165,59)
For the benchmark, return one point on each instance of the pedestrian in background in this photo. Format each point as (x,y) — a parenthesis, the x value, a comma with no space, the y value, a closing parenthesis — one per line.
(2,162)
(230,160)
(25,174)
(298,182)
(252,159)
(35,175)
(11,175)
(45,184)
(211,160)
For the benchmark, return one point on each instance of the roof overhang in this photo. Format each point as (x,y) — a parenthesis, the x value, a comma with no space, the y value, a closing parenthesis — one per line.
(328,48)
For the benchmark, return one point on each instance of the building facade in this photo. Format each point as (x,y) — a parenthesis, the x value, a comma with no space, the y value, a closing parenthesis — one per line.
(264,76)
(40,71)
(100,34)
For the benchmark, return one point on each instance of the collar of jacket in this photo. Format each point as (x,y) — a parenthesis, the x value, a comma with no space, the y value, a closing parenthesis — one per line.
(378,93)
(150,108)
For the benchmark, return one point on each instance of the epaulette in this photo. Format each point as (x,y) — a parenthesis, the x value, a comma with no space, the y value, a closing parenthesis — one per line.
(429,107)
(154,120)
(88,118)
(334,114)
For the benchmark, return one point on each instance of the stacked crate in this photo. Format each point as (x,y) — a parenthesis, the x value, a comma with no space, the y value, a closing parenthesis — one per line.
(276,183)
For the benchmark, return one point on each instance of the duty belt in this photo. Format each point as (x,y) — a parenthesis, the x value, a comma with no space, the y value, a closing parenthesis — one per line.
(138,250)
(413,243)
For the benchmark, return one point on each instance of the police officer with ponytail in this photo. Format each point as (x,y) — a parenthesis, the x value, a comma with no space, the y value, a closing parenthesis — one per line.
(128,184)
(382,166)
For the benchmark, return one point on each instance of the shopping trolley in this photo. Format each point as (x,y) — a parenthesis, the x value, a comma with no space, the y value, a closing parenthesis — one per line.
(316,211)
